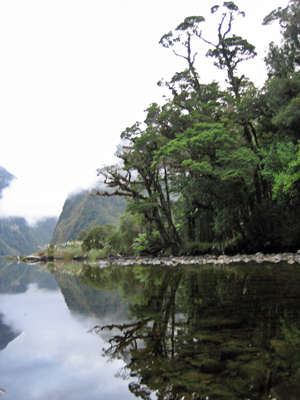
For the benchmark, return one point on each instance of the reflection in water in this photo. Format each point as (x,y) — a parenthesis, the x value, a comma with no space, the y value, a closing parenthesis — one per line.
(205,332)
(7,334)
(208,333)
(54,357)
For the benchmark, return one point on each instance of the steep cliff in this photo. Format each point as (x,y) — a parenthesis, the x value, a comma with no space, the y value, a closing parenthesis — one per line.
(83,211)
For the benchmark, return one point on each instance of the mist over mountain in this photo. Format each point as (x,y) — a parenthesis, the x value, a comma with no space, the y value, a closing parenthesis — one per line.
(82,212)
(16,236)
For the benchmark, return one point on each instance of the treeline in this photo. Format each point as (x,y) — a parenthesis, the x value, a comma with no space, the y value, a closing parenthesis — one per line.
(212,165)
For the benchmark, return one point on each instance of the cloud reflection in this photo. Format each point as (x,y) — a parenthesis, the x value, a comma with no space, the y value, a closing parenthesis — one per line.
(55,357)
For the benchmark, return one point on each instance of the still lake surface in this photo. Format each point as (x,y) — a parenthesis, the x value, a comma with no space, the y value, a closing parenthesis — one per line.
(206,332)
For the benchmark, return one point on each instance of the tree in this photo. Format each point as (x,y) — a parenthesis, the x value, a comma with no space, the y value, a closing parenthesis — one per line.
(281,101)
(234,111)
(97,237)
(147,185)
(209,159)
(289,53)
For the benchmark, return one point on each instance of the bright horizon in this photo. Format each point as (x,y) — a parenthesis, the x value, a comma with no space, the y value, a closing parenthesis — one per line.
(76,73)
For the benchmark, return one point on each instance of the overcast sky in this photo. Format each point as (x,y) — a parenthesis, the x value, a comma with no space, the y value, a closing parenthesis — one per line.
(75,73)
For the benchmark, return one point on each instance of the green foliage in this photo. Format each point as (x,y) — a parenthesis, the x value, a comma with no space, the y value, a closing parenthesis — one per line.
(190,23)
(147,242)
(284,180)
(140,244)
(130,226)
(282,168)
(65,251)
(94,255)
(132,236)
(196,248)
(97,237)
(291,333)
(216,166)
(288,18)
(50,251)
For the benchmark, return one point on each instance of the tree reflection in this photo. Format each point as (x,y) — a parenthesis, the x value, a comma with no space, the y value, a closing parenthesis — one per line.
(155,322)
(211,333)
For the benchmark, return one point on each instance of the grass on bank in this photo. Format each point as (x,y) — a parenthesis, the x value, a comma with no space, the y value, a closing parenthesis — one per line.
(67,251)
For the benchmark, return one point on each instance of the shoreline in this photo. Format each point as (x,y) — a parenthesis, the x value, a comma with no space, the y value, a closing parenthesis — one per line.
(290,258)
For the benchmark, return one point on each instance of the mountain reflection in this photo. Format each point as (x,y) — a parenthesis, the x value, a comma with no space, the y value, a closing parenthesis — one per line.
(53,357)
(206,333)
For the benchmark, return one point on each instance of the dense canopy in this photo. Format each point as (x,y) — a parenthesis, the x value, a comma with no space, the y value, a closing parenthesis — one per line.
(218,165)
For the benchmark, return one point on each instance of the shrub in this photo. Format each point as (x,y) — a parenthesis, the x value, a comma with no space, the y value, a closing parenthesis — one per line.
(95,254)
(194,248)
(97,237)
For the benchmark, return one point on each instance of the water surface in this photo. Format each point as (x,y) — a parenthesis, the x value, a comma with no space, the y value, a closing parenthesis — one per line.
(47,351)
(205,332)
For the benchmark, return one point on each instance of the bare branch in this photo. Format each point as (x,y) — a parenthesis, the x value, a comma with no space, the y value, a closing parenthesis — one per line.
(229,25)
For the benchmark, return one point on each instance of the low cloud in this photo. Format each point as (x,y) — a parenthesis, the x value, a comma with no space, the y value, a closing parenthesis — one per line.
(34,201)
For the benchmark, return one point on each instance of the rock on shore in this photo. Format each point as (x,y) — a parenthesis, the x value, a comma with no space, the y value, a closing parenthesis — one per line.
(290,258)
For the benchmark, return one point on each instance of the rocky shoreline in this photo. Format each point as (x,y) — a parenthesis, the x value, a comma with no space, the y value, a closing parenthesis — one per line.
(290,258)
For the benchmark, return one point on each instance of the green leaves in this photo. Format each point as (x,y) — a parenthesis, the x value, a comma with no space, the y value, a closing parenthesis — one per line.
(208,149)
(206,162)
(239,163)
(190,23)
(214,9)
(289,116)
(273,16)
(202,168)
(231,51)
(285,169)
(230,5)
(167,40)
(288,18)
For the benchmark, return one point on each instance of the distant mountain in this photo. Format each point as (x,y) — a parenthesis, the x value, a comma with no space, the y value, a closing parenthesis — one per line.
(5,179)
(15,278)
(83,211)
(16,236)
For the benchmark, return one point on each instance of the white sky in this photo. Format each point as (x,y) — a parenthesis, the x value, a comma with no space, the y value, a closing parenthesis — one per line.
(75,73)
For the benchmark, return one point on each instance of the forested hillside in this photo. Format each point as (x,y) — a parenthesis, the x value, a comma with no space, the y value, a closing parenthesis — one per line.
(83,212)
(16,236)
(219,163)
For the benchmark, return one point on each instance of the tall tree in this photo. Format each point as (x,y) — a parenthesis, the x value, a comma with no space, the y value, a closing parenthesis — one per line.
(147,185)
(281,100)
(208,158)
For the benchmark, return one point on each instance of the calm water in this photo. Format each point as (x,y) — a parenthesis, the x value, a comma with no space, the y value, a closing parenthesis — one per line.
(206,332)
